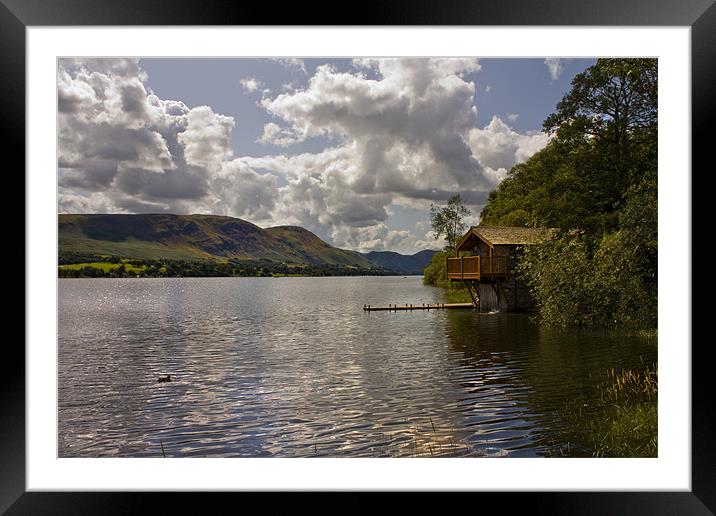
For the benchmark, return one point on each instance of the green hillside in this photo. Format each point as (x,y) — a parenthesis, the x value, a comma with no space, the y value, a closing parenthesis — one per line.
(314,250)
(195,237)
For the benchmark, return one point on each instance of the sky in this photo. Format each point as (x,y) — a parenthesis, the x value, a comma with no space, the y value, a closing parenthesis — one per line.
(355,150)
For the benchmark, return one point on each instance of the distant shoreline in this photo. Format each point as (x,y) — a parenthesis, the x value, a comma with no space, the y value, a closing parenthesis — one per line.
(243,277)
(76,265)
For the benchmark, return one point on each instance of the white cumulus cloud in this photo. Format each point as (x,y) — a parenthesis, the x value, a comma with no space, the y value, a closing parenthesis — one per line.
(123,149)
(273,134)
(555,66)
(409,127)
(251,84)
(498,147)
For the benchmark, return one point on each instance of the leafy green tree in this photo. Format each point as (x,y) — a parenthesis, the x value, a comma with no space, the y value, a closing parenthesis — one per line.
(603,140)
(610,116)
(449,221)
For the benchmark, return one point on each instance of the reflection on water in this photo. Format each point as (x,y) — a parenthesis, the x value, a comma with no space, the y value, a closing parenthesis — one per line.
(293,367)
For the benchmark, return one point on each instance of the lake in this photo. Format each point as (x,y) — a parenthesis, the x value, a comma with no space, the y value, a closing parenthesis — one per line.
(293,367)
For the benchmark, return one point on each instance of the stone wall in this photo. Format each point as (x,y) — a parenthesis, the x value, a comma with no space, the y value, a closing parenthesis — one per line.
(517,294)
(488,298)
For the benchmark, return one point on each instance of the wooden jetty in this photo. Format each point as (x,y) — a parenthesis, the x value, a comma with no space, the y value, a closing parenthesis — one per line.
(424,306)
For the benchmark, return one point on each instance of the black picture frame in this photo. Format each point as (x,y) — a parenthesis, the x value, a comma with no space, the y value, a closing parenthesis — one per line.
(700,15)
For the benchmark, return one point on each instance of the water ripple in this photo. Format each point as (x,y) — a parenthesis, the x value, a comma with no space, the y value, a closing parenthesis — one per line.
(293,367)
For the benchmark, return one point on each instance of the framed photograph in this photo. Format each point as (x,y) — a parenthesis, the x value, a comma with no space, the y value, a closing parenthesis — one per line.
(418,252)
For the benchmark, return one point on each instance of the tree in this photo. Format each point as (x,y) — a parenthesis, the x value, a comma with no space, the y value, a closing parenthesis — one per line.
(449,221)
(611,109)
(614,99)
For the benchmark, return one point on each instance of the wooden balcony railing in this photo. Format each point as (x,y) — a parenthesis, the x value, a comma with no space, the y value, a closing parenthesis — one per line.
(477,267)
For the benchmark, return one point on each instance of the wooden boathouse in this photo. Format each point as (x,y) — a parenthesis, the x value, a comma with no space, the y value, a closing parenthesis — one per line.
(484,262)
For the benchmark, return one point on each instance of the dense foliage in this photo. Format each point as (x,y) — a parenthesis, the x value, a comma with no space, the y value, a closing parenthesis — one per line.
(596,180)
(436,271)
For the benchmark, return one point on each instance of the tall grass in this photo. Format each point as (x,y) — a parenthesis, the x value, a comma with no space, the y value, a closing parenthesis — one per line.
(624,421)
(629,425)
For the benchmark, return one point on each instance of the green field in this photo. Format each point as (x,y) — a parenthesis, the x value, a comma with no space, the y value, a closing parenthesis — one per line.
(106,266)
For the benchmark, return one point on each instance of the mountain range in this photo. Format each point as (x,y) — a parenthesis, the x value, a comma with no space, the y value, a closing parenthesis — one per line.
(212,237)
(401,263)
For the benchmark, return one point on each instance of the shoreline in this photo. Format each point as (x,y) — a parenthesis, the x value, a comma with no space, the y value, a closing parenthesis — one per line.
(266,277)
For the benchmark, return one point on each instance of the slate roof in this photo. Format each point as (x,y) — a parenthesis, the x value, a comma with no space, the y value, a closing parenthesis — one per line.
(503,235)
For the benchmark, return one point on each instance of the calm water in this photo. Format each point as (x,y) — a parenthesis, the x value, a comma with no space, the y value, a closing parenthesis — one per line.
(293,367)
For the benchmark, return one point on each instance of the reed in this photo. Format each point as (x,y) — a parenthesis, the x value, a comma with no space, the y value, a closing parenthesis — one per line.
(630,427)
(628,385)
(624,422)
